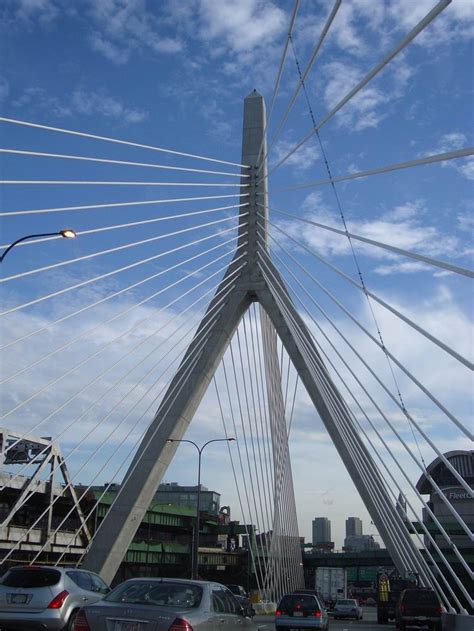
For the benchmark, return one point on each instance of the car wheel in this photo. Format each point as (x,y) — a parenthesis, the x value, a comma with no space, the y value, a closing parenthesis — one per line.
(70,623)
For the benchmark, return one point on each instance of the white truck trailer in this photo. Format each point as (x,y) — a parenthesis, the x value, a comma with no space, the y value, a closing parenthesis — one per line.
(331,583)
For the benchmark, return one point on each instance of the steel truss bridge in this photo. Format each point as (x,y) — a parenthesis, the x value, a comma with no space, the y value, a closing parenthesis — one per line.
(234,314)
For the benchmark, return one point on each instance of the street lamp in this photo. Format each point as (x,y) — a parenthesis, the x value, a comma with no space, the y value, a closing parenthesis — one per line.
(195,556)
(67,233)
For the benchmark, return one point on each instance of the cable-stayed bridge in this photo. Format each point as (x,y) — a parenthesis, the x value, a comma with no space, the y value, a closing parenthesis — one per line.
(214,298)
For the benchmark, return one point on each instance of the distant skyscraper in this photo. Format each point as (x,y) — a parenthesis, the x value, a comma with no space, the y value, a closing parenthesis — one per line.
(321,530)
(353,527)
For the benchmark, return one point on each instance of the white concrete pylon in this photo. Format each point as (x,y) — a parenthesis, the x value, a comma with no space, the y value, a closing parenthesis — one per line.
(198,366)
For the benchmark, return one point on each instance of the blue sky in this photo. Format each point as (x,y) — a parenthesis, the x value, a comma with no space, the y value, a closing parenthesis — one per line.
(174,75)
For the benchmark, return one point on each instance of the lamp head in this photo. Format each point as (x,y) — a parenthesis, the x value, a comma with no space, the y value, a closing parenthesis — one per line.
(68,233)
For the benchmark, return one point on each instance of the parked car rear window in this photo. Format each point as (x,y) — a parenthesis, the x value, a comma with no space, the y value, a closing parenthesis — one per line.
(31,577)
(164,594)
(420,596)
(352,603)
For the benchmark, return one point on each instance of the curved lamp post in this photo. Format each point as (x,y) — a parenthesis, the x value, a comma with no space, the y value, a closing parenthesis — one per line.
(195,557)
(67,233)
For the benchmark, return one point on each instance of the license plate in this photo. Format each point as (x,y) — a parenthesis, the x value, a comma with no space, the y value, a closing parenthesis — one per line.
(127,626)
(298,613)
(19,599)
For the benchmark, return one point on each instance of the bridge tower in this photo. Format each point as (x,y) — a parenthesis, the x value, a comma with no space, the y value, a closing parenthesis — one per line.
(257,281)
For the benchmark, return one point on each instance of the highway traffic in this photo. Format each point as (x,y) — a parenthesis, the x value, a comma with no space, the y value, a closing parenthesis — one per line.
(368,623)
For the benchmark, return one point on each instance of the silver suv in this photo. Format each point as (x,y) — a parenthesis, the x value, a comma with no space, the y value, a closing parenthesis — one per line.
(44,597)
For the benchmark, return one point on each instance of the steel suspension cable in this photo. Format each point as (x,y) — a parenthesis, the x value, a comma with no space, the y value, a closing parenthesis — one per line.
(62,156)
(115,140)
(112,341)
(114,183)
(237,487)
(369,294)
(261,416)
(87,332)
(95,279)
(263,398)
(356,262)
(392,396)
(122,247)
(247,498)
(438,157)
(425,390)
(284,494)
(183,377)
(429,17)
(102,443)
(141,398)
(392,427)
(149,202)
(253,455)
(278,77)
(81,233)
(420,257)
(361,465)
(309,65)
(43,514)
(244,434)
(224,290)
(266,499)
(379,435)
(136,444)
(274,579)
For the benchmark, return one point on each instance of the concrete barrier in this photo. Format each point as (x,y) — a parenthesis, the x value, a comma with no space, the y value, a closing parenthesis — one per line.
(266,608)
(457,622)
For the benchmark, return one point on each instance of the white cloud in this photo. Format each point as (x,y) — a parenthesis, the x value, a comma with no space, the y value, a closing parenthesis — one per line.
(456,21)
(404,226)
(100,102)
(402,268)
(39,98)
(450,142)
(364,110)
(80,102)
(466,222)
(302,160)
(364,25)
(466,168)
(122,27)
(108,49)
(44,11)
(243,26)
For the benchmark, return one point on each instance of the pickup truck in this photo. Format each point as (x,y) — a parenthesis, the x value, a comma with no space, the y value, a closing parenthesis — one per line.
(419,607)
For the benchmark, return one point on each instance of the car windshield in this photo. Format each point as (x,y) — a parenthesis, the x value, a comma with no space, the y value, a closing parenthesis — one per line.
(31,577)
(164,594)
(346,603)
